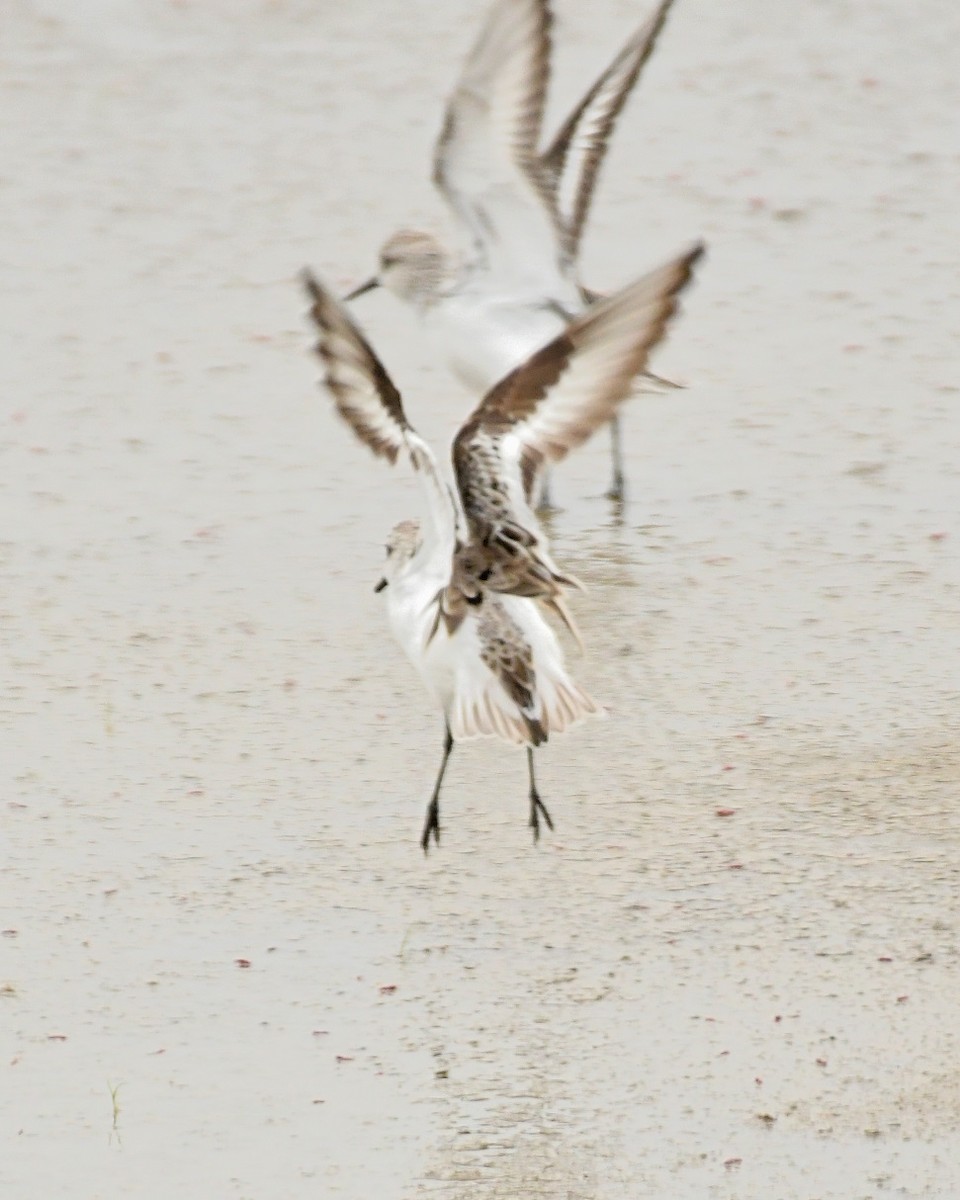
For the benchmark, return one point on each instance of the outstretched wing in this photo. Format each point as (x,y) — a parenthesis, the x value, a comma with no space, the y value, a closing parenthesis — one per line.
(570,166)
(543,410)
(485,160)
(367,400)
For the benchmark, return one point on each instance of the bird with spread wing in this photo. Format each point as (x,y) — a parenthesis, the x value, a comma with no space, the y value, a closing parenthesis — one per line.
(464,593)
(520,210)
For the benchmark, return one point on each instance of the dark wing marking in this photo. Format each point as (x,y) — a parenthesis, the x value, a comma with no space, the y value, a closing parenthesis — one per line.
(569,168)
(368,401)
(485,161)
(543,410)
(657,382)
(365,395)
(508,654)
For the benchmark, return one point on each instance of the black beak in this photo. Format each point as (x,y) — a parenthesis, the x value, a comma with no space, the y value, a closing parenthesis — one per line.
(364,287)
(381,585)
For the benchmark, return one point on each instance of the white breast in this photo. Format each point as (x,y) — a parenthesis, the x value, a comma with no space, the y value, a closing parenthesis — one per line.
(484,337)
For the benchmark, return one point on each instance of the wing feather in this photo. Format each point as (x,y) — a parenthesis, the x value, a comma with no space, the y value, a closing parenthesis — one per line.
(565,391)
(571,165)
(365,395)
(366,398)
(544,409)
(486,162)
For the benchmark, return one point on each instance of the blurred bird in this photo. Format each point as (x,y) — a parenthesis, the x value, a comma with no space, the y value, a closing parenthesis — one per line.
(521,210)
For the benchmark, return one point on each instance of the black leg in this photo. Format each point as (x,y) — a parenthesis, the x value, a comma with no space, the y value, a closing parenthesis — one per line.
(537,806)
(545,503)
(432,823)
(617,483)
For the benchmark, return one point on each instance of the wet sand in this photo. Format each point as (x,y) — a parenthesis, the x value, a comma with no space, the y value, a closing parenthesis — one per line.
(215,760)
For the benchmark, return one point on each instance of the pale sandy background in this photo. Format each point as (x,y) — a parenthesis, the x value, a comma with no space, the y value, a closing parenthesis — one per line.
(211,750)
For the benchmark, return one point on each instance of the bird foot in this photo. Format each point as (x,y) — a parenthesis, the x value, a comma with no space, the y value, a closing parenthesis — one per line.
(537,807)
(431,826)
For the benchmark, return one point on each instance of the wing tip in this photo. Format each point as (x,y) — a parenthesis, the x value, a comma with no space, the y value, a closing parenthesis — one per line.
(342,348)
(697,251)
(310,284)
(568,705)
(687,264)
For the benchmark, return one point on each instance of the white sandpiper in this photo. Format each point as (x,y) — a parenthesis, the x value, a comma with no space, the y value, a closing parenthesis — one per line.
(521,211)
(463,593)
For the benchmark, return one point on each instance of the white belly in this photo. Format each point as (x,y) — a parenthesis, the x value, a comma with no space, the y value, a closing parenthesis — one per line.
(413,619)
(470,695)
(484,338)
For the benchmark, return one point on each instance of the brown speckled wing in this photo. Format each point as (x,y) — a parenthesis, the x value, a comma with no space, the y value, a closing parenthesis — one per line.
(363,391)
(367,400)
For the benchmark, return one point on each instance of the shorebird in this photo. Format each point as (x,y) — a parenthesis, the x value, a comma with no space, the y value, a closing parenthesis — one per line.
(464,593)
(521,210)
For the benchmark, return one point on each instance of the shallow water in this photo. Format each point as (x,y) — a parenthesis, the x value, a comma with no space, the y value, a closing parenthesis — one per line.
(213,753)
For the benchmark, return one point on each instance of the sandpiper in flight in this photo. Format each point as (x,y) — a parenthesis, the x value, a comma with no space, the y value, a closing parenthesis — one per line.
(521,210)
(464,593)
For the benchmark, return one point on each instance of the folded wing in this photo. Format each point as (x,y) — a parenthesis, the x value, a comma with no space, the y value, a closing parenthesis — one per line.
(542,411)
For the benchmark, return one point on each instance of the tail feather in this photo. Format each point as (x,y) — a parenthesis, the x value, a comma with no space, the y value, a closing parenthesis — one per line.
(489,715)
(559,704)
(565,704)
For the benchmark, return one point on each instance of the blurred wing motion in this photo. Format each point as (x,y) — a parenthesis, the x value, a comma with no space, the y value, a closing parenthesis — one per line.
(570,166)
(485,161)
(368,401)
(542,411)
(534,416)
